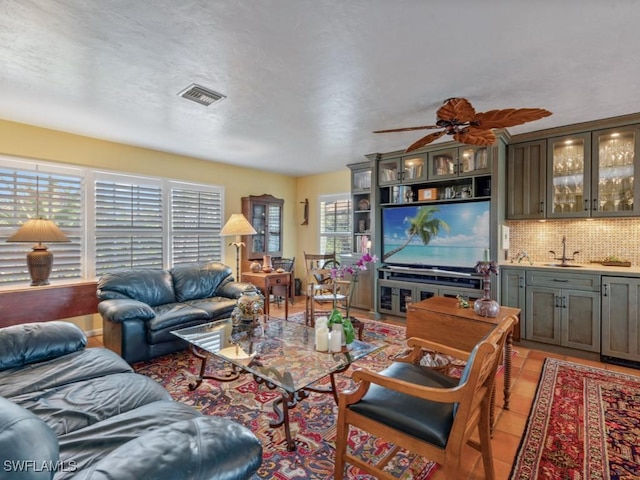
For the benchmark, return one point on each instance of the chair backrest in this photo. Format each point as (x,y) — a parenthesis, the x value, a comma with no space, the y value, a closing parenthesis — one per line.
(478,379)
(287,264)
(318,267)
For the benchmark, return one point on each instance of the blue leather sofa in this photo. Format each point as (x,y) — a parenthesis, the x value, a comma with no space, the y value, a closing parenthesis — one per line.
(140,307)
(67,412)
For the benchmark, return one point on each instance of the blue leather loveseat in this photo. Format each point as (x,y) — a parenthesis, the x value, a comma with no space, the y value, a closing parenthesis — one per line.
(67,412)
(140,307)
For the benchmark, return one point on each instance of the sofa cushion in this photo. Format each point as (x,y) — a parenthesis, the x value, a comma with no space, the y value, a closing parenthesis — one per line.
(27,444)
(198,281)
(77,405)
(74,367)
(148,285)
(171,317)
(199,448)
(216,307)
(37,342)
(92,443)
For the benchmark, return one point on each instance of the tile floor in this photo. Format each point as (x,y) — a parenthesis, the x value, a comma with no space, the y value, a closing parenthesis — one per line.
(526,370)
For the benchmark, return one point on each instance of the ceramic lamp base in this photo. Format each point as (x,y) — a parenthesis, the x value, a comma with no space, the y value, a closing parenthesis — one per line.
(486,307)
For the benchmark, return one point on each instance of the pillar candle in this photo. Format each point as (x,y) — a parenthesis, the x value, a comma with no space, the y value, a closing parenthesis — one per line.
(322,322)
(335,341)
(322,339)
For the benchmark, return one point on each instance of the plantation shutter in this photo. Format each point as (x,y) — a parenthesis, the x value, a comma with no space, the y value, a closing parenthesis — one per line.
(335,224)
(27,194)
(196,221)
(128,224)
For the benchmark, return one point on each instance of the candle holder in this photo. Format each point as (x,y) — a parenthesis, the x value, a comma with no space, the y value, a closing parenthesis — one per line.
(486,307)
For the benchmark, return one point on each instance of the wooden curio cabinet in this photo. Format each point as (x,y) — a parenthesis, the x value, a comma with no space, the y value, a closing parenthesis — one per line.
(264,212)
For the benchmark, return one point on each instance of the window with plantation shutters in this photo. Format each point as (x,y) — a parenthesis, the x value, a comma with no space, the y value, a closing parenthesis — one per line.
(196,220)
(114,221)
(33,191)
(335,223)
(128,223)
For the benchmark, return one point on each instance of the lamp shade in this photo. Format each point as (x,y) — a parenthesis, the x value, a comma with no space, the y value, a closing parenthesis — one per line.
(38,230)
(237,225)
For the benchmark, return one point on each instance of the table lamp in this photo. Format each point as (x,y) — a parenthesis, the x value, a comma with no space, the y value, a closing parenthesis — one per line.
(237,225)
(39,260)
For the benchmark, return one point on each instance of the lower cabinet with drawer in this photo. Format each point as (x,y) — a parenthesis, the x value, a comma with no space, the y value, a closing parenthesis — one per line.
(563,309)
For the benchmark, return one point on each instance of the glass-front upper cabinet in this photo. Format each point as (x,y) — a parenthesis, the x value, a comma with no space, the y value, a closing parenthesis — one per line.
(568,176)
(404,169)
(459,162)
(614,181)
(361,179)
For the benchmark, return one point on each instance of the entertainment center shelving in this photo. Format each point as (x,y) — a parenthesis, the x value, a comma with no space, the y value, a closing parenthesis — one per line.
(443,174)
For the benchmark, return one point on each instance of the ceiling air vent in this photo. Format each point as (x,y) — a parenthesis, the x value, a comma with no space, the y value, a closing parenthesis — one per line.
(201,95)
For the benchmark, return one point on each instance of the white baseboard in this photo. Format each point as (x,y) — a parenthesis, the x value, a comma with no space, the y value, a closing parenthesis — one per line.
(93,333)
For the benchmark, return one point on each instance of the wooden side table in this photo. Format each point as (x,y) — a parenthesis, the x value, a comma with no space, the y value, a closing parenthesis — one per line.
(271,283)
(441,320)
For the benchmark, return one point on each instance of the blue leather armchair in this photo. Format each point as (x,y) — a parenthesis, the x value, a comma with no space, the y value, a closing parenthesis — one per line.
(140,307)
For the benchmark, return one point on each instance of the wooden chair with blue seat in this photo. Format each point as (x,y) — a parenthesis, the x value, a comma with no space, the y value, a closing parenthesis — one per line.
(422,410)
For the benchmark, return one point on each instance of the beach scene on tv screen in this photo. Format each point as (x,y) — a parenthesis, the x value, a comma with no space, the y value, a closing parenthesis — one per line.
(455,234)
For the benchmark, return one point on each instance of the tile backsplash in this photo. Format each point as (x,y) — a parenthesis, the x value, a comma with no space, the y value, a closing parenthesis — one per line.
(594,239)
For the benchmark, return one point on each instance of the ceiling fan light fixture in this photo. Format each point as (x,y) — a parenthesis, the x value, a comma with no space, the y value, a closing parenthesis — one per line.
(458,118)
(202,95)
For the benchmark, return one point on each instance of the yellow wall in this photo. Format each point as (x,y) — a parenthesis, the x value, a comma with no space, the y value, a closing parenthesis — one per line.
(27,141)
(311,187)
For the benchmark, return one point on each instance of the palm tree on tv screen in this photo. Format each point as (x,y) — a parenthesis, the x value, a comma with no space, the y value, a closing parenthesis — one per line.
(424,225)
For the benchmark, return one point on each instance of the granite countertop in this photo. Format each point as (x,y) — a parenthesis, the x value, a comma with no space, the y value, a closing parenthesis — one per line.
(594,268)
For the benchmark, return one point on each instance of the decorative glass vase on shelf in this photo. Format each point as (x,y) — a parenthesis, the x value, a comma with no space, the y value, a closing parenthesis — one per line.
(486,307)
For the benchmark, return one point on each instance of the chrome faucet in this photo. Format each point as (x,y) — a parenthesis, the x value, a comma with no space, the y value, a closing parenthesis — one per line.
(564,259)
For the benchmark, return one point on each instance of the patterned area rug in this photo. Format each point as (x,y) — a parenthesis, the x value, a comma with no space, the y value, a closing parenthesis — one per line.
(312,420)
(584,424)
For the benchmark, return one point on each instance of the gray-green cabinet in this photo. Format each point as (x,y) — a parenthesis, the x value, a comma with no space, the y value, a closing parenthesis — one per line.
(393,295)
(563,309)
(462,161)
(576,175)
(512,291)
(526,180)
(410,168)
(621,317)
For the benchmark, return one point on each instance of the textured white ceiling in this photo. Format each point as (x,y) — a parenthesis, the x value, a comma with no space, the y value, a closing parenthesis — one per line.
(307,81)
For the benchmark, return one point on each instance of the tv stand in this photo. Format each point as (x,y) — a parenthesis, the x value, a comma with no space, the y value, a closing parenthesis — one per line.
(398,285)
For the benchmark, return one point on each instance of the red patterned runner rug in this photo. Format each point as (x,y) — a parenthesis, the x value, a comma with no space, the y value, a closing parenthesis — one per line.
(312,420)
(584,424)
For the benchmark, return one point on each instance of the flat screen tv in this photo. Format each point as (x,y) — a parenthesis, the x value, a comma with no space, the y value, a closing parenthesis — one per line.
(437,235)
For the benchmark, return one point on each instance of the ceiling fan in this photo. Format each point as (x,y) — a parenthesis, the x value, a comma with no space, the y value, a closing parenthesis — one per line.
(457,117)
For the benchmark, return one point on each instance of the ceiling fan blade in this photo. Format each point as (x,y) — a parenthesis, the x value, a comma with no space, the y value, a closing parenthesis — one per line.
(475,136)
(424,141)
(458,109)
(509,117)
(408,129)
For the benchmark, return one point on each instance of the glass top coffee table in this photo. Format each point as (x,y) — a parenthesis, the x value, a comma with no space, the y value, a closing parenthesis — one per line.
(278,353)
